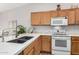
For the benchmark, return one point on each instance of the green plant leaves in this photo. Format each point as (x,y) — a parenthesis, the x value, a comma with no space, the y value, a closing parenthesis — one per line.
(21,29)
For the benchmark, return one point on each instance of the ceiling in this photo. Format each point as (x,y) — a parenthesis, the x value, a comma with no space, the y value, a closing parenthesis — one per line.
(8,6)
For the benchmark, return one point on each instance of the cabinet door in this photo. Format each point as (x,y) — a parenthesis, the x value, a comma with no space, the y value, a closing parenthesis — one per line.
(46,43)
(77,16)
(75,46)
(35,18)
(53,14)
(71,17)
(37,46)
(62,13)
(31,52)
(45,18)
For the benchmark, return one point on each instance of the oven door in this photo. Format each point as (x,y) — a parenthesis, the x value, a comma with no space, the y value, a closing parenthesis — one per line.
(61,43)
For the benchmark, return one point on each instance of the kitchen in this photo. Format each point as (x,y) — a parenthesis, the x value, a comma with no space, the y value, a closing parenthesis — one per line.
(54,29)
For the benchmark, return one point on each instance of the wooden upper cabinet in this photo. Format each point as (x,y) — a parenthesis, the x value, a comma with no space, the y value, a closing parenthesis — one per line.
(69,13)
(53,14)
(62,13)
(40,18)
(77,16)
(71,16)
(45,18)
(35,18)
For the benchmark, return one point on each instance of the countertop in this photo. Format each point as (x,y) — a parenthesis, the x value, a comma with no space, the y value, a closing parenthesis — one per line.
(69,34)
(7,48)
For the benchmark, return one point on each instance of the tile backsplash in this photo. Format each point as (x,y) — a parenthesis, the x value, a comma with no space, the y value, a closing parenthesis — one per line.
(72,29)
(42,29)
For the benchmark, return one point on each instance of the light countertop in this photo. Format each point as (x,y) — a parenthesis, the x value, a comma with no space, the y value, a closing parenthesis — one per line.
(50,34)
(7,48)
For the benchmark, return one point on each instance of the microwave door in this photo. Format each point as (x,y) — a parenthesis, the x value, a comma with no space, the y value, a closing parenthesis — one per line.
(57,21)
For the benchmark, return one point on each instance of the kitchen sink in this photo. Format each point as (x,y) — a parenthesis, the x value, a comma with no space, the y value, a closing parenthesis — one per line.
(21,40)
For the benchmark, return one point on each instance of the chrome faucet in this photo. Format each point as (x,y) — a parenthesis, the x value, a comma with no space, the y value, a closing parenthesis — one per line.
(4,34)
(16,29)
(7,32)
(3,37)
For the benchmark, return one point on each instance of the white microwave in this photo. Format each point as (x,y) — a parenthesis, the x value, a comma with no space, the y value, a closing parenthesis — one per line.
(59,21)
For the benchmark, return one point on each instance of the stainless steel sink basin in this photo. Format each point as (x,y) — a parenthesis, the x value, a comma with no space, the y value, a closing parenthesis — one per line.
(21,40)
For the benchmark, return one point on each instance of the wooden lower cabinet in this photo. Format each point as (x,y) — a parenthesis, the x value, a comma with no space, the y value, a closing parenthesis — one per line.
(21,53)
(41,44)
(37,46)
(75,46)
(46,44)
(34,48)
(31,52)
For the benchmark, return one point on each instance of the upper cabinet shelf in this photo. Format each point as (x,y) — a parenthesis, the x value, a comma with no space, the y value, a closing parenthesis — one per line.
(44,18)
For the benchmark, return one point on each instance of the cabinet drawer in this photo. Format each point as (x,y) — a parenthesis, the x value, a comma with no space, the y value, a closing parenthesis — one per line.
(46,37)
(75,38)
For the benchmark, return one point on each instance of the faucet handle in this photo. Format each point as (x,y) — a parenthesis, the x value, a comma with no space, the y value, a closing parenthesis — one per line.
(6,33)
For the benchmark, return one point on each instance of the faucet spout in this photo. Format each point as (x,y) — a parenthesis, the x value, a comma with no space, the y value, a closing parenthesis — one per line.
(3,36)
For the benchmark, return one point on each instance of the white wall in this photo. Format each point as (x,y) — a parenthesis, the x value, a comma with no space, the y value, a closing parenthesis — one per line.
(23,14)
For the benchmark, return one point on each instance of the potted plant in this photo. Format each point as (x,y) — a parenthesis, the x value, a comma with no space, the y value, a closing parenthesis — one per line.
(20,29)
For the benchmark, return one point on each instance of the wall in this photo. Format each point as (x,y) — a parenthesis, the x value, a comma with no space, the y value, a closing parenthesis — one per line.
(23,15)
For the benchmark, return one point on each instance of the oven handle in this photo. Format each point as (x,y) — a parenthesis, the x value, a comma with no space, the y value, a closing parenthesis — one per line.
(61,50)
(57,39)
(61,39)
